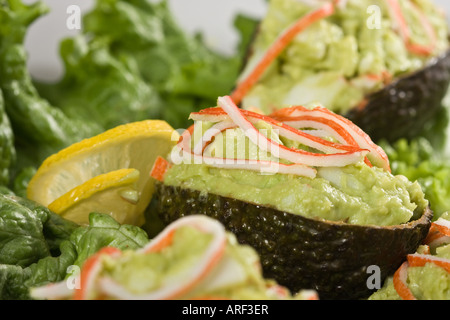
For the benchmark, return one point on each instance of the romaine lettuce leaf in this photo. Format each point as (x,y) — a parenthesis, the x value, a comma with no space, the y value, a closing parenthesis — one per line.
(104,231)
(37,246)
(39,128)
(7,149)
(134,61)
(29,231)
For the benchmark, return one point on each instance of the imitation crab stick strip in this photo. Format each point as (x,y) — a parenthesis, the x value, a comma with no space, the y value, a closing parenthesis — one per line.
(310,121)
(376,154)
(334,129)
(261,166)
(305,138)
(52,291)
(400,284)
(405,32)
(244,164)
(159,168)
(280,151)
(419,260)
(182,153)
(90,270)
(176,287)
(443,226)
(429,30)
(250,77)
(439,233)
(211,133)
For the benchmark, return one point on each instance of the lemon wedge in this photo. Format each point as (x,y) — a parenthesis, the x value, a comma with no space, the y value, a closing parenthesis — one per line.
(114,193)
(108,173)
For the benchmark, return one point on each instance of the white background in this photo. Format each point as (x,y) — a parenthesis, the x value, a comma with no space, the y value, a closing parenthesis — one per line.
(211,17)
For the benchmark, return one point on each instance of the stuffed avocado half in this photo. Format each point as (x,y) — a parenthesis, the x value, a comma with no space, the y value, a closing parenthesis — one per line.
(383,64)
(305,187)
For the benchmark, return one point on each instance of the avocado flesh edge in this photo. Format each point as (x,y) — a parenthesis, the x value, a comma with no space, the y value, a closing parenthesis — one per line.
(292,248)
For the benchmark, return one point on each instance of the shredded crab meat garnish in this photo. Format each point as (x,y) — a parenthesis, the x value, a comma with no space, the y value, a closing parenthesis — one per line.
(400,284)
(419,260)
(281,151)
(439,233)
(405,32)
(86,288)
(376,154)
(182,154)
(352,145)
(211,133)
(89,272)
(259,66)
(52,291)
(310,138)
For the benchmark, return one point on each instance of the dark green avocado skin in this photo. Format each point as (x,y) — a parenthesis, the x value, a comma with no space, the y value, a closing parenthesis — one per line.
(298,252)
(402,108)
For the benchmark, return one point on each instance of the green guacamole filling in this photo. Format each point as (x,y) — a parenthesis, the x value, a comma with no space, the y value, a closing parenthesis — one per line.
(354,194)
(338,60)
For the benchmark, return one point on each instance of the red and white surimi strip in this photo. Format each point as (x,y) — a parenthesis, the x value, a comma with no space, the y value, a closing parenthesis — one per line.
(439,233)
(307,138)
(182,156)
(89,272)
(400,284)
(52,291)
(419,260)
(180,284)
(228,116)
(282,152)
(443,226)
(403,29)
(303,122)
(211,133)
(182,153)
(258,66)
(438,240)
(376,154)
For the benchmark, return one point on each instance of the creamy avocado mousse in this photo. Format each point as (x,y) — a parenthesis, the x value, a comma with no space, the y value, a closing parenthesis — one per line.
(194,258)
(306,187)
